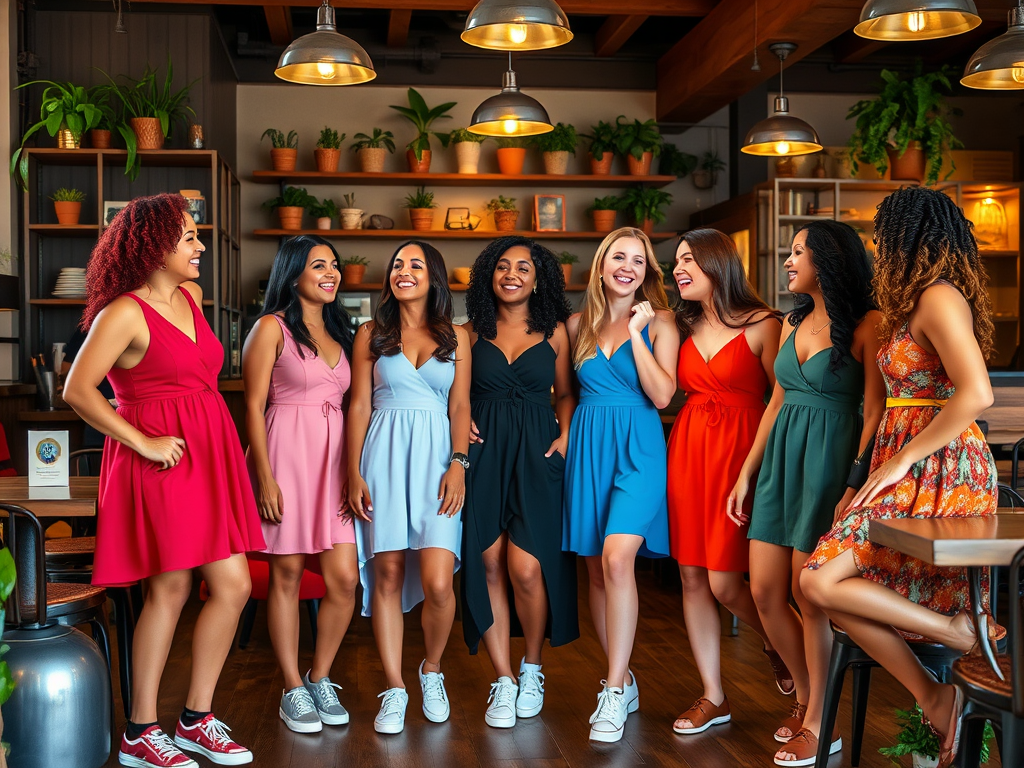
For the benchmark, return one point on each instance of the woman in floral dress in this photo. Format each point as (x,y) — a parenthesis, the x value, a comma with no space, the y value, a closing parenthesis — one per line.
(930,459)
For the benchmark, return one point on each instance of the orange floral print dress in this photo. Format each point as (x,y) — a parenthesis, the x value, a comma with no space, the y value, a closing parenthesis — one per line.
(956,481)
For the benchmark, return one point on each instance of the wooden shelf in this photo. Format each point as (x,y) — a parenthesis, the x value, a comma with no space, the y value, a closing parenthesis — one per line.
(57,302)
(65,230)
(989,253)
(786,217)
(459,179)
(442,234)
(175,158)
(59,415)
(364,287)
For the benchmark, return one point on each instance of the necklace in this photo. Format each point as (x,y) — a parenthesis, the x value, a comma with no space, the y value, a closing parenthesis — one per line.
(819,330)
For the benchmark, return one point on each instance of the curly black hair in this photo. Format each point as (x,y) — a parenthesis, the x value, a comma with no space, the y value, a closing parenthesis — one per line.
(844,274)
(548,305)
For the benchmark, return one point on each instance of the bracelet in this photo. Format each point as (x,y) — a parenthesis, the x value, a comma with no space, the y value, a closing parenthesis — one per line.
(461,458)
(861,467)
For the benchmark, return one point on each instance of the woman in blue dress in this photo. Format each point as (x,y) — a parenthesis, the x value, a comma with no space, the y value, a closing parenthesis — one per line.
(625,347)
(409,409)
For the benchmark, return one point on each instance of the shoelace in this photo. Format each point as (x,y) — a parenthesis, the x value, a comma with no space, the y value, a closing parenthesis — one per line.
(325,690)
(502,694)
(433,686)
(392,704)
(216,732)
(608,705)
(531,682)
(302,702)
(161,743)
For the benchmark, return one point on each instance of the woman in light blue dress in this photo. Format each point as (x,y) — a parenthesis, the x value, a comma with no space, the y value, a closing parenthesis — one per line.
(409,409)
(625,347)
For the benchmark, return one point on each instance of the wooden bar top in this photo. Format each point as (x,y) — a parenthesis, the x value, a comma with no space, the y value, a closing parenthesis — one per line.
(78,499)
(969,541)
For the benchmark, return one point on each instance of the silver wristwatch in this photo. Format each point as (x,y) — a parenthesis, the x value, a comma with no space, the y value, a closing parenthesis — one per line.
(462,458)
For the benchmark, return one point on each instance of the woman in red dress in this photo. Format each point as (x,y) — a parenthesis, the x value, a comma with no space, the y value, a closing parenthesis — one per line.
(725,367)
(174,493)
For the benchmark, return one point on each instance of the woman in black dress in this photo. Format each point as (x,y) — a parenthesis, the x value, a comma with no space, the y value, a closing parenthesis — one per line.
(515,577)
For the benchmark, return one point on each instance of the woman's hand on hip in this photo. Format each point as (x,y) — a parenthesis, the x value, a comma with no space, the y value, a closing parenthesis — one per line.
(165,451)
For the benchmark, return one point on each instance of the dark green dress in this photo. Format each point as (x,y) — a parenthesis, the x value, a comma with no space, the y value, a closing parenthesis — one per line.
(810,449)
(513,487)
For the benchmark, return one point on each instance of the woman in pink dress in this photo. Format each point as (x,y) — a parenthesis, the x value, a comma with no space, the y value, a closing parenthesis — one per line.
(296,372)
(174,493)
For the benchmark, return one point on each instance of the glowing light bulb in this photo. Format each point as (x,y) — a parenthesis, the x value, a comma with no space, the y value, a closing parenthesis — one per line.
(509,126)
(988,201)
(915,21)
(325,70)
(1017,72)
(517,33)
(782,148)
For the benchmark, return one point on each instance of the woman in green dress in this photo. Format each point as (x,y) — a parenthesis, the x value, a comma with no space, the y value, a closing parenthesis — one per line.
(808,438)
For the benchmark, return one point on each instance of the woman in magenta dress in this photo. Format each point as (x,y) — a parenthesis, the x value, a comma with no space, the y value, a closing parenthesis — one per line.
(174,493)
(296,372)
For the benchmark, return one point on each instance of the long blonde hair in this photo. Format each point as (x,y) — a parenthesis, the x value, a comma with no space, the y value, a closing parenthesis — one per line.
(595,307)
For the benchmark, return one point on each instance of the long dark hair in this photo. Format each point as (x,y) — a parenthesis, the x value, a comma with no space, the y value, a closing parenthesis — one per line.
(386,338)
(731,292)
(547,305)
(283,296)
(844,275)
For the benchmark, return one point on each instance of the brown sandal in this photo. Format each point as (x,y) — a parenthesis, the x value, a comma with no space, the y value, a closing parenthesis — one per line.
(783,678)
(793,723)
(702,715)
(804,748)
(950,743)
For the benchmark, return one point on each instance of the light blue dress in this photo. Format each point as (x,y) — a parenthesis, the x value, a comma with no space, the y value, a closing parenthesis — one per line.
(406,453)
(616,466)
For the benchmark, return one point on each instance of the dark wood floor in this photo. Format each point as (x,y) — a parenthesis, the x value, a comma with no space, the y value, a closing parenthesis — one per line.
(250,689)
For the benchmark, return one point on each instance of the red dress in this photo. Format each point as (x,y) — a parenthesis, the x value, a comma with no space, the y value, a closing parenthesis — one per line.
(201,510)
(709,442)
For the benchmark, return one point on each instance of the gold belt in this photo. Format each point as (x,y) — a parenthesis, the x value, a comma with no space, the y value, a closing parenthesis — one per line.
(909,402)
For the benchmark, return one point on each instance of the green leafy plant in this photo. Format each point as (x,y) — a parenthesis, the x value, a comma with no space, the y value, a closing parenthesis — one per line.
(908,108)
(420,199)
(320,209)
(610,203)
(562,139)
(463,135)
(65,195)
(568,258)
(502,203)
(279,141)
(8,576)
(330,139)
(642,203)
(512,142)
(353,261)
(711,162)
(379,139)
(636,138)
(916,736)
(422,117)
(348,201)
(145,97)
(296,197)
(102,97)
(675,162)
(602,139)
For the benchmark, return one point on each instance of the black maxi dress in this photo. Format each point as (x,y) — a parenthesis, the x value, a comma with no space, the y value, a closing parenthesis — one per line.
(513,487)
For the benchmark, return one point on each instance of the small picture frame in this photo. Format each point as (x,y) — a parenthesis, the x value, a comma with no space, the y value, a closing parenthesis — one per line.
(111,209)
(549,213)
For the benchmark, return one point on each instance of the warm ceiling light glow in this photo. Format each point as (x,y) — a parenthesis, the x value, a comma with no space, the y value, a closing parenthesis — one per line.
(517,25)
(511,112)
(325,57)
(782,148)
(915,22)
(893,20)
(509,126)
(517,33)
(781,134)
(999,64)
(325,69)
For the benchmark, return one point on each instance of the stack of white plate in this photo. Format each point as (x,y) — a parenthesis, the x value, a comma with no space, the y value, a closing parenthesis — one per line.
(70,283)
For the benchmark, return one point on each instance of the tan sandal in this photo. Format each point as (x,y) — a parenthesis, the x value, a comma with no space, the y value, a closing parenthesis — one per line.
(702,715)
(793,723)
(783,678)
(804,748)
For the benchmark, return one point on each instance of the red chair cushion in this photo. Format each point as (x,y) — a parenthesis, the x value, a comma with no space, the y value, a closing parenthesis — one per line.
(311,587)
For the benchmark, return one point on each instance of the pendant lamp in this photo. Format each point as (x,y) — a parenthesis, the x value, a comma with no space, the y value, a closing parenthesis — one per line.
(511,112)
(325,57)
(781,135)
(999,64)
(517,25)
(916,19)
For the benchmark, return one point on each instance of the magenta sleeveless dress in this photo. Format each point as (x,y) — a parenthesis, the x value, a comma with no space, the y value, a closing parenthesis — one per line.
(151,521)
(306,446)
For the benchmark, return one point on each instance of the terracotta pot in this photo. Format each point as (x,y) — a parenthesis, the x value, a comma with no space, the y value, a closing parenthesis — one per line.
(567,271)
(641,167)
(148,133)
(703,179)
(352,274)
(351,218)
(99,138)
(511,160)
(467,155)
(910,167)
(556,163)
(505,221)
(284,159)
(462,275)
(371,159)
(327,160)
(601,167)
(66,139)
(422,219)
(290,216)
(604,221)
(324,222)
(646,226)
(67,212)
(418,166)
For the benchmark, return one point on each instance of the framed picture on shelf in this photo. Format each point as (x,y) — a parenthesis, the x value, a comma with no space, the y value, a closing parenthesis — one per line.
(549,213)
(110,209)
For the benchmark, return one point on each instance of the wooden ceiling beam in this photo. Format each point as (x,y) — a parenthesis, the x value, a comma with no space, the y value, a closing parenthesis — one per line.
(614,33)
(690,8)
(279,20)
(851,48)
(398,28)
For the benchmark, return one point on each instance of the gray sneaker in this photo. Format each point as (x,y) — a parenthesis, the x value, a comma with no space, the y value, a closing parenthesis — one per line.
(326,700)
(298,711)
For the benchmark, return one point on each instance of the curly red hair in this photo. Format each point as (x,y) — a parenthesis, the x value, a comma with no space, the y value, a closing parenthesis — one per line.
(132,248)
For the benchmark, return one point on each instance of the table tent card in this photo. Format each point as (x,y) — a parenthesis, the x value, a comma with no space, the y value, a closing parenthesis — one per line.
(48,458)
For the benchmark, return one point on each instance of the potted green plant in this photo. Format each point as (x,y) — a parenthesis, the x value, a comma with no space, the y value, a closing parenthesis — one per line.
(101,96)
(67,203)
(505,213)
(906,126)
(422,117)
(284,150)
(602,147)
(467,149)
(639,143)
(705,175)
(421,207)
(328,150)
(371,150)
(675,162)
(645,206)
(567,259)
(511,154)
(351,217)
(152,109)
(353,269)
(324,211)
(290,205)
(556,146)
(918,740)
(603,212)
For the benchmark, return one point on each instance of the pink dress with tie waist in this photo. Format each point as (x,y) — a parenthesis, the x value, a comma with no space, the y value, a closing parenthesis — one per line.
(306,447)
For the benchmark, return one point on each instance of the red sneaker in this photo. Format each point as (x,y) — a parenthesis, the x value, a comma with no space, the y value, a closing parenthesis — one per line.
(153,749)
(209,737)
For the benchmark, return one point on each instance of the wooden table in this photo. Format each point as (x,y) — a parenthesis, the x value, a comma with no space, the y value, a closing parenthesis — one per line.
(78,499)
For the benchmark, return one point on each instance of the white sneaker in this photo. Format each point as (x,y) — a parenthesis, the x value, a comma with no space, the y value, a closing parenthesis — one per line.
(632,693)
(608,720)
(501,706)
(435,699)
(531,690)
(391,718)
